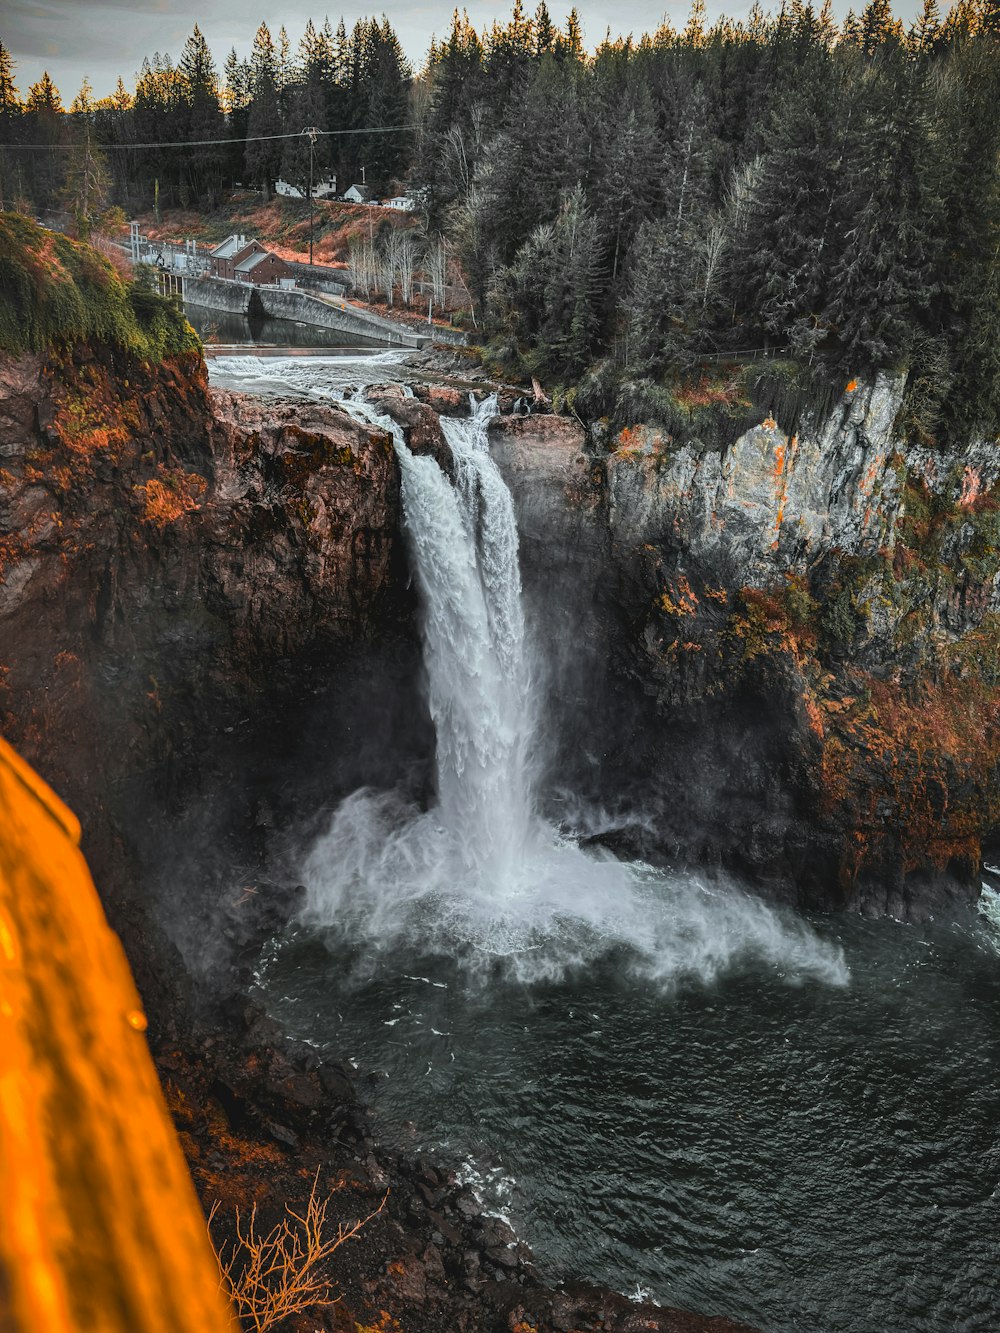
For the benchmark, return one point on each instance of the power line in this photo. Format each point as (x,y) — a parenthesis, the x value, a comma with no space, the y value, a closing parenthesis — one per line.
(204,143)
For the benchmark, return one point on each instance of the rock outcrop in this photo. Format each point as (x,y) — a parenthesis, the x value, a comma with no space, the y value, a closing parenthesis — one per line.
(198,594)
(795,640)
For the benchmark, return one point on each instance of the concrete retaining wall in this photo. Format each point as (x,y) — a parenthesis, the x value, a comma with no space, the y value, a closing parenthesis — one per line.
(241,299)
(232,297)
(346,319)
(441,333)
(336,281)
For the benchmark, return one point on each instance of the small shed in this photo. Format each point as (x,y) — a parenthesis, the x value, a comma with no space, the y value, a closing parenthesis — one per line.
(262,268)
(401,202)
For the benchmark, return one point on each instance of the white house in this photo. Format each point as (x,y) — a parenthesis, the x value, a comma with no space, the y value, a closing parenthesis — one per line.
(358,194)
(321,190)
(402,202)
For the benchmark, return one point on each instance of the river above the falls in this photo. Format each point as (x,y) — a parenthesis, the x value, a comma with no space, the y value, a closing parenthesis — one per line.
(665,1084)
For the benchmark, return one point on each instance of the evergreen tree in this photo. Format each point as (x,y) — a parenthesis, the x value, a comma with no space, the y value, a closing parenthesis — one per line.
(263,153)
(781,258)
(159,116)
(43,125)
(545,30)
(87,186)
(571,44)
(305,157)
(881,279)
(237,97)
(547,303)
(627,153)
(10,124)
(203,119)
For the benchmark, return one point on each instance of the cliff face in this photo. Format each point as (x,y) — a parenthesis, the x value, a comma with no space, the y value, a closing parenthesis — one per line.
(802,639)
(198,593)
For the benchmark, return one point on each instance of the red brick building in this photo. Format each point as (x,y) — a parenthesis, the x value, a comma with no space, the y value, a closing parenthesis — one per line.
(224,258)
(261,267)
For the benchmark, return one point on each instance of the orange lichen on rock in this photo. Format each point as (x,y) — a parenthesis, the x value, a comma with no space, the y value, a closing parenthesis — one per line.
(100,1227)
(972,486)
(680,600)
(170,495)
(931,750)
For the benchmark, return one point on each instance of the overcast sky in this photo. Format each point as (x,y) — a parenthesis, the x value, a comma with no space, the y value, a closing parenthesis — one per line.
(71,39)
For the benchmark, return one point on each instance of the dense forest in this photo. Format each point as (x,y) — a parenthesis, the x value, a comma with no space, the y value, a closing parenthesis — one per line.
(785,186)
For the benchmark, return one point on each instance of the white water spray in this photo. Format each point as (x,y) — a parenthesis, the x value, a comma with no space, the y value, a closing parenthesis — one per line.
(480,875)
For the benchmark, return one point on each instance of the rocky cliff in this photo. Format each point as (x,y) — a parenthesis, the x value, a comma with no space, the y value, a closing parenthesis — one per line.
(199,594)
(795,638)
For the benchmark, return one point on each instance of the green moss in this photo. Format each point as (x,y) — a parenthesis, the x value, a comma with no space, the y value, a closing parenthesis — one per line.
(54,291)
(714,403)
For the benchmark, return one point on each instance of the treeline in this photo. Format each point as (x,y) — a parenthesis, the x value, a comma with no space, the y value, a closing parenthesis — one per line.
(785,183)
(332,81)
(782,184)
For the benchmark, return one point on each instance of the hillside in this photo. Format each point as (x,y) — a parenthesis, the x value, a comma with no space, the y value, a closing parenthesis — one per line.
(282,224)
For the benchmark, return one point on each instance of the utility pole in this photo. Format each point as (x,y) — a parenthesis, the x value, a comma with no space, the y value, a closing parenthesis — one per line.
(312,132)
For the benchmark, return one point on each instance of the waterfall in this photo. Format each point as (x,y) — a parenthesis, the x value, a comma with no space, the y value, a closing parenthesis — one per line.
(465,551)
(480,875)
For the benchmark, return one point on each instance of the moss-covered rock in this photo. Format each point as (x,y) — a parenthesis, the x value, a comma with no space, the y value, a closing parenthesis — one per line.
(54,291)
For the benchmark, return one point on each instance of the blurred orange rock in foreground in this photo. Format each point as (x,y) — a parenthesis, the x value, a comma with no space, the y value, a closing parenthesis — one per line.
(99,1224)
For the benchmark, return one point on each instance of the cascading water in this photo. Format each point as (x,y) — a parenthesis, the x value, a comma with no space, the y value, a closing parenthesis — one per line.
(481,873)
(464,541)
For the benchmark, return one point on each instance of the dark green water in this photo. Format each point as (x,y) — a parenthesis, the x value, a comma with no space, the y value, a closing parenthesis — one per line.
(804,1157)
(218,326)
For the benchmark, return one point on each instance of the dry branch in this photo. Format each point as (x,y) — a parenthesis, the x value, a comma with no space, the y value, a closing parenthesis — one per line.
(268,1278)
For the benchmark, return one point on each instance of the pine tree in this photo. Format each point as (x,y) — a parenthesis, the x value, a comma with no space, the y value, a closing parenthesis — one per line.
(878,27)
(571,45)
(925,32)
(304,158)
(237,96)
(546,305)
(203,119)
(545,30)
(44,124)
(10,121)
(881,279)
(263,152)
(87,186)
(626,156)
(115,130)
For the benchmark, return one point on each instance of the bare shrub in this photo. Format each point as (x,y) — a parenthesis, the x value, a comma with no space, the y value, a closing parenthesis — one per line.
(270,1277)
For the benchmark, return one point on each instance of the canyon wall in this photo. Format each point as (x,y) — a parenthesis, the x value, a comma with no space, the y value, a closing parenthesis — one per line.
(794,640)
(205,636)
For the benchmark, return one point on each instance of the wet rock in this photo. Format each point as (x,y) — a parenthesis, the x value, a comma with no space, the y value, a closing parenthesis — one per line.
(283,1135)
(467,1205)
(421,426)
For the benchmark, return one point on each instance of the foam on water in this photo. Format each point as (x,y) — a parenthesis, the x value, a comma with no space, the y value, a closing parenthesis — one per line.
(480,876)
(321,378)
(989,910)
